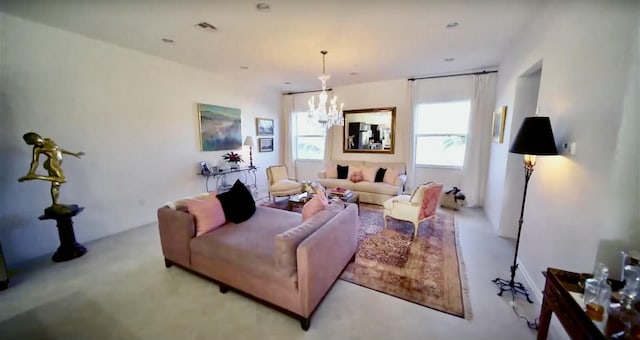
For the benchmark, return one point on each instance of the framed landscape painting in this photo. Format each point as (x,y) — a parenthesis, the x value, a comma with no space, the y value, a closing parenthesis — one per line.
(264,127)
(499,119)
(265,144)
(219,128)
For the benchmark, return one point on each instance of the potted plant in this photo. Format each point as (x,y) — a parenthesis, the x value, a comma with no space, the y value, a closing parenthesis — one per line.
(233,159)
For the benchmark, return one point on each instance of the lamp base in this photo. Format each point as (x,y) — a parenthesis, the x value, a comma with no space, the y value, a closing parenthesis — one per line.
(511,286)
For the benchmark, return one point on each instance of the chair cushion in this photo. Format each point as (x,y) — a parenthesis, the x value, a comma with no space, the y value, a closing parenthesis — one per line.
(388,204)
(237,203)
(207,212)
(278,173)
(284,185)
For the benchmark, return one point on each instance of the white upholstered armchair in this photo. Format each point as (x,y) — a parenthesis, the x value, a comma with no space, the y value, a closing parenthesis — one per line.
(279,182)
(418,207)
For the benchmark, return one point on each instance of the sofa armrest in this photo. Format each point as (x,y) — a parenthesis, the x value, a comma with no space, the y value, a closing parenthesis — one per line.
(322,174)
(177,228)
(323,255)
(400,181)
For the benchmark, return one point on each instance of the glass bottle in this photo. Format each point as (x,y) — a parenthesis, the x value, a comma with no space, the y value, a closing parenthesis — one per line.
(597,293)
(624,318)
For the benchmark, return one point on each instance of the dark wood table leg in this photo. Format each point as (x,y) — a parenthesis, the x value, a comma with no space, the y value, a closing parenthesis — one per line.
(545,317)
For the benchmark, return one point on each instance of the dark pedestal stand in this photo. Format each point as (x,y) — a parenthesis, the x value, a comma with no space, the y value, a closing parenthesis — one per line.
(69,249)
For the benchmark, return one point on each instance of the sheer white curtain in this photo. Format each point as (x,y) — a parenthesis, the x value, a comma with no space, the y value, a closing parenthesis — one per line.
(476,159)
(328,145)
(287,119)
(410,136)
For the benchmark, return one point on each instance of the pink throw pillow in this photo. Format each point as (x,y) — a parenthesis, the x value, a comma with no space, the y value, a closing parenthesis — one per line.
(391,175)
(369,174)
(315,205)
(353,170)
(356,177)
(207,212)
(331,171)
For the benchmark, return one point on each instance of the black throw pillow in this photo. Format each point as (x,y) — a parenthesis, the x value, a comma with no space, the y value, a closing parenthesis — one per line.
(343,171)
(238,204)
(380,174)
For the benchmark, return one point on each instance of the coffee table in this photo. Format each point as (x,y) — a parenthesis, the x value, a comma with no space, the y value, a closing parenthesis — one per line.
(301,199)
(298,200)
(352,197)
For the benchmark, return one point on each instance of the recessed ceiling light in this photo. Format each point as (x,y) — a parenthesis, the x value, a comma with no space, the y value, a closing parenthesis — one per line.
(452,24)
(353,73)
(449,59)
(168,41)
(244,67)
(206,26)
(287,83)
(263,7)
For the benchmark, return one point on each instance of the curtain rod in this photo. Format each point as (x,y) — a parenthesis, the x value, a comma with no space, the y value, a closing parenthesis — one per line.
(453,75)
(306,91)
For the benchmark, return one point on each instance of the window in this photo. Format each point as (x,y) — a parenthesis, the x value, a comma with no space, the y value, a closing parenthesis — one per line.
(441,133)
(308,137)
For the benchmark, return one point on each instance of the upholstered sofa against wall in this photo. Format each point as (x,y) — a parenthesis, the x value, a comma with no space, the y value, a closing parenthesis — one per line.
(367,188)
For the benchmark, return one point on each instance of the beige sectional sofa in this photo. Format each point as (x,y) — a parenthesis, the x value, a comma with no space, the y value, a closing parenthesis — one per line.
(369,192)
(273,256)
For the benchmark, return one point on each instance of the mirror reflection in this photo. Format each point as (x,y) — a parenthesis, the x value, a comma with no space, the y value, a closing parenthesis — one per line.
(369,130)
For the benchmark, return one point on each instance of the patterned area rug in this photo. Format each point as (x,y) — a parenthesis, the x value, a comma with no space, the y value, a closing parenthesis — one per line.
(428,271)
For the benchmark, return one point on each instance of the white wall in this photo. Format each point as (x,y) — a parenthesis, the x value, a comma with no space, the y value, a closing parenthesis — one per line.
(372,95)
(587,49)
(133,114)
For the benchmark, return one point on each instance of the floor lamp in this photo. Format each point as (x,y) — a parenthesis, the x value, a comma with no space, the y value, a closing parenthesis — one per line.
(535,138)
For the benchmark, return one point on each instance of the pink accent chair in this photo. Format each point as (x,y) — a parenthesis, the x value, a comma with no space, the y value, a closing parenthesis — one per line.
(417,208)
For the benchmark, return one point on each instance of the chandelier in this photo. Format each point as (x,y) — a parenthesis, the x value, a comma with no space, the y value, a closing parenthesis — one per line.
(326,115)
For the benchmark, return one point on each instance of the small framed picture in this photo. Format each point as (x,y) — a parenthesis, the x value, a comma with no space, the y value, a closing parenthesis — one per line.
(265,144)
(499,119)
(264,127)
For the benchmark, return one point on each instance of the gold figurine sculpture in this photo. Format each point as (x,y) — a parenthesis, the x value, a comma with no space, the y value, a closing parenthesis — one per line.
(53,164)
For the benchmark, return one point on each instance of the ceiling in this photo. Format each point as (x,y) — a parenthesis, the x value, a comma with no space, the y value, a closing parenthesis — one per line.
(367,40)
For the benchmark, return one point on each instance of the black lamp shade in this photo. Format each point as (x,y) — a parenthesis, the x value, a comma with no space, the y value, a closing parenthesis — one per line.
(535,137)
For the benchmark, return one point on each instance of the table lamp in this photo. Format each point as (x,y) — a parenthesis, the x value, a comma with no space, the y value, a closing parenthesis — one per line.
(249,141)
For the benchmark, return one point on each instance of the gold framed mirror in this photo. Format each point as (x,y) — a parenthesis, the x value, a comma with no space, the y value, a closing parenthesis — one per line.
(369,130)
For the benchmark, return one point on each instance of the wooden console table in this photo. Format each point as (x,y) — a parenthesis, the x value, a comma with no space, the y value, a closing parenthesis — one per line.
(558,300)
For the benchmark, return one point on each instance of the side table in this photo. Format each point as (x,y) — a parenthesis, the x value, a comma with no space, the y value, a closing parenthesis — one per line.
(556,299)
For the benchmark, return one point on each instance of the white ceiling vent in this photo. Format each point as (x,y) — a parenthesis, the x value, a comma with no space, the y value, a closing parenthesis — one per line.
(206,26)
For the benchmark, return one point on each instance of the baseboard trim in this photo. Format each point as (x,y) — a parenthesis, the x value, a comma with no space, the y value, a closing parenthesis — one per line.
(555,328)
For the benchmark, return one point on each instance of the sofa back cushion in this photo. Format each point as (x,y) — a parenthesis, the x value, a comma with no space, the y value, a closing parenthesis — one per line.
(369,173)
(402,169)
(287,242)
(391,175)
